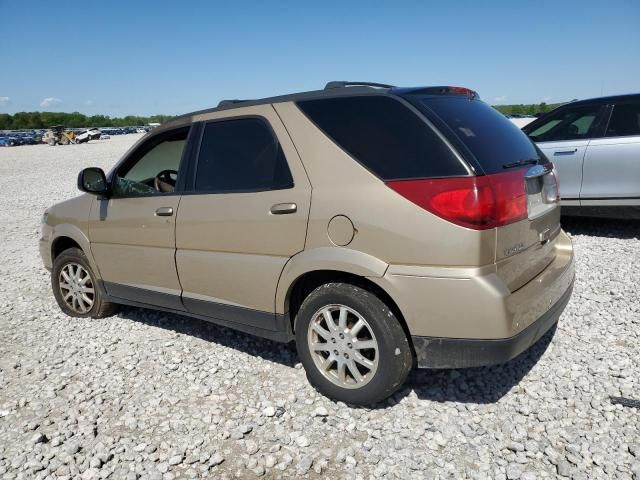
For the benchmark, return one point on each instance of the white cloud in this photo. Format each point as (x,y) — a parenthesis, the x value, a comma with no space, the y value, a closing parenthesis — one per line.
(5,100)
(50,102)
(88,102)
(500,99)
(547,99)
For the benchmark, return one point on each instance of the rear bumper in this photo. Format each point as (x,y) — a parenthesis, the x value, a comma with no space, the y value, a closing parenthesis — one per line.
(470,317)
(433,352)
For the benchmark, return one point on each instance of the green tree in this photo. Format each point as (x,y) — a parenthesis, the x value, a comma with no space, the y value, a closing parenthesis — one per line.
(5,121)
(29,120)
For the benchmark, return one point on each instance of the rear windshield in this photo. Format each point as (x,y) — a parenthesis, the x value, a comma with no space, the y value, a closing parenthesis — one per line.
(491,138)
(385,136)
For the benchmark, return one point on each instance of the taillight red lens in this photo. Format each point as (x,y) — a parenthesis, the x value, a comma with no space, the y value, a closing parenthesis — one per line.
(474,202)
(462,91)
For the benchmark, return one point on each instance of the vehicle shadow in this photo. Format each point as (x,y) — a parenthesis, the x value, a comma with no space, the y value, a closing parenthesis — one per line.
(601,227)
(471,385)
(476,385)
(210,332)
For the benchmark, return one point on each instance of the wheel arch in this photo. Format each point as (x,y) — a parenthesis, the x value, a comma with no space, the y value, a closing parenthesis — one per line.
(308,270)
(67,236)
(62,243)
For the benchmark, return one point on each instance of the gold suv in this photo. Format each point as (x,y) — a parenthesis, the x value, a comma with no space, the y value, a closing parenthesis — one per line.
(378,227)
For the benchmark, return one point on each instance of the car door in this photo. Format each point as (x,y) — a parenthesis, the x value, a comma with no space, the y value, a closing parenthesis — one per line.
(563,136)
(244,215)
(132,232)
(611,174)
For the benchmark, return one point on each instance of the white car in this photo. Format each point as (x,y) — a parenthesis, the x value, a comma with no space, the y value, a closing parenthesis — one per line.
(90,134)
(140,130)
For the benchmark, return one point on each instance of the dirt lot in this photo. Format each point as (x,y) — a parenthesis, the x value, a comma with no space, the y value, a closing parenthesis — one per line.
(151,395)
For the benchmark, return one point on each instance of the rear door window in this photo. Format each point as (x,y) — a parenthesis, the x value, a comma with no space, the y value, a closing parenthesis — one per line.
(492,139)
(625,120)
(240,155)
(572,123)
(385,136)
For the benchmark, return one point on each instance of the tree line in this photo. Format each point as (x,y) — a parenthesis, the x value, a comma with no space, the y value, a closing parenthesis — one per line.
(33,120)
(526,109)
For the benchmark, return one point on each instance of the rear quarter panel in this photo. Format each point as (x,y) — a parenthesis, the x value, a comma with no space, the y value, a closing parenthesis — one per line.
(387,226)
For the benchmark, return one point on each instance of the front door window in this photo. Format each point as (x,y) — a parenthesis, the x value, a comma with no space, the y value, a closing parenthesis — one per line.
(153,168)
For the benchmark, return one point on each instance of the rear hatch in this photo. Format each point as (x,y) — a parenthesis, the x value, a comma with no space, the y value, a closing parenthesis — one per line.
(523,184)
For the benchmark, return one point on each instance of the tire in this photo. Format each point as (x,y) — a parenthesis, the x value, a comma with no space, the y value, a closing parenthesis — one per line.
(51,142)
(388,365)
(64,267)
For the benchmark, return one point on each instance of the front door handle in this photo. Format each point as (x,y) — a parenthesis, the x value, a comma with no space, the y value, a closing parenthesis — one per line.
(565,152)
(284,208)
(164,212)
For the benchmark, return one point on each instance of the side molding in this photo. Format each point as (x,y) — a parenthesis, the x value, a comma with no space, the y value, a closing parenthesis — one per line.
(325,258)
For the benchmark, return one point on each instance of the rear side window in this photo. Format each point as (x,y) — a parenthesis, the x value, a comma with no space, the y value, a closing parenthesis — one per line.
(625,120)
(240,156)
(574,123)
(491,138)
(384,136)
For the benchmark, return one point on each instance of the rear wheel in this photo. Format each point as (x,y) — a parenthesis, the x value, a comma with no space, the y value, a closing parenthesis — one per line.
(351,344)
(75,288)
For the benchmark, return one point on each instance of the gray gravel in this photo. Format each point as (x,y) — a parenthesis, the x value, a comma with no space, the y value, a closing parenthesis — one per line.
(158,396)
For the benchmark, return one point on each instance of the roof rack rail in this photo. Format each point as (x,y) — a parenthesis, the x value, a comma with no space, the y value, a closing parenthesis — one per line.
(341,84)
(228,103)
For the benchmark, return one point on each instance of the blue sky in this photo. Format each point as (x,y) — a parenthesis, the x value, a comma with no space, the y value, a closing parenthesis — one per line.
(146,57)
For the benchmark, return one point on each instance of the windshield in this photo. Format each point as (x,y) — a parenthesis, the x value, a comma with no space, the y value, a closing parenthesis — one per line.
(494,141)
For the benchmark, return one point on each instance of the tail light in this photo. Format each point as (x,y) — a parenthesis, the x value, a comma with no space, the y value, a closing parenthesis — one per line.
(479,203)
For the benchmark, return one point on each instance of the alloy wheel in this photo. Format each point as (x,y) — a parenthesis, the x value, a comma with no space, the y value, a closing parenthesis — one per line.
(76,287)
(343,346)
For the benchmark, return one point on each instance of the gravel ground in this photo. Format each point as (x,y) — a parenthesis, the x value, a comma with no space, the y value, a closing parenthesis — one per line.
(152,395)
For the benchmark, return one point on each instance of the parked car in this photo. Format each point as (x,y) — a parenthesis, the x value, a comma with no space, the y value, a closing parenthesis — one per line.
(26,138)
(433,237)
(595,145)
(12,140)
(140,130)
(110,131)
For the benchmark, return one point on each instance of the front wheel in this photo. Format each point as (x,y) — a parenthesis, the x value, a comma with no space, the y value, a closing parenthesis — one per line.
(75,287)
(351,344)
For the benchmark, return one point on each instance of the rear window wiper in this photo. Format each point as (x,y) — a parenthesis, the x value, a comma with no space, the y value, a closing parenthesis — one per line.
(519,163)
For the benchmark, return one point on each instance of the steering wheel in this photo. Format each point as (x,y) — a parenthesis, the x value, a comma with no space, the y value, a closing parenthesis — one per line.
(165,181)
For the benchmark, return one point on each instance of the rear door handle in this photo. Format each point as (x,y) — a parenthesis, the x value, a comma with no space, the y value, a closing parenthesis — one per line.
(565,152)
(164,212)
(284,208)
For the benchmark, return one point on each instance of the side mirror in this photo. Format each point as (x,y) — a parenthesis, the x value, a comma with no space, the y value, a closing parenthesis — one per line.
(93,180)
